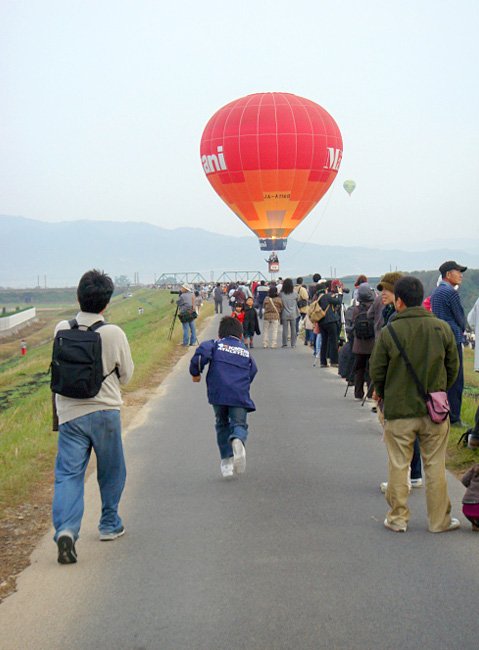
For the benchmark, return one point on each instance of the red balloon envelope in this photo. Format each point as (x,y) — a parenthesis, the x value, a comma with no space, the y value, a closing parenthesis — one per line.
(271,157)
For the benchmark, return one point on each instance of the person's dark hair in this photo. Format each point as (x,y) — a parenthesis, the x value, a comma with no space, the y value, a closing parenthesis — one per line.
(299,280)
(218,284)
(328,284)
(230,326)
(410,290)
(288,286)
(361,279)
(239,304)
(94,291)
(273,292)
(316,277)
(262,283)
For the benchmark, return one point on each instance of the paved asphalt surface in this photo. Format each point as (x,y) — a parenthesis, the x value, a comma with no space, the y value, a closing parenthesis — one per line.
(291,555)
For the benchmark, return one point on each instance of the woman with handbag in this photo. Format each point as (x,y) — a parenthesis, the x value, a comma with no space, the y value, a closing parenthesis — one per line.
(272,308)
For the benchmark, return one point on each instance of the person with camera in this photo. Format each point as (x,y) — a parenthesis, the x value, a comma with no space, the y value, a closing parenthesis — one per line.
(187,314)
(331,302)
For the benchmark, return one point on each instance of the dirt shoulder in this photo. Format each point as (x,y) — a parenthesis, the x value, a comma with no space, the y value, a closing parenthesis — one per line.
(24,525)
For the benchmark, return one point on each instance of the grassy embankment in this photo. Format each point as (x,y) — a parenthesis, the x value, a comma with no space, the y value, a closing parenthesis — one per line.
(460,459)
(27,444)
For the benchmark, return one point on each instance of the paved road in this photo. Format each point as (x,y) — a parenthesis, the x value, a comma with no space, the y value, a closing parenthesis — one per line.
(291,555)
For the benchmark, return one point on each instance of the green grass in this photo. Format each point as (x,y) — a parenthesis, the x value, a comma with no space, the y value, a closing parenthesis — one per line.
(461,459)
(27,443)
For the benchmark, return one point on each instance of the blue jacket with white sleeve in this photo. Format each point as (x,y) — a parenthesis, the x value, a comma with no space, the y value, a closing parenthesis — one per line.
(230,373)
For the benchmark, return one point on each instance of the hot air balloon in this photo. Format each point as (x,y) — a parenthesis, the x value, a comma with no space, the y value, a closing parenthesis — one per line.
(271,157)
(349,186)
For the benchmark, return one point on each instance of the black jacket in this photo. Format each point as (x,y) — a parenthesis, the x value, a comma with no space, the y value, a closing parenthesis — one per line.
(333,315)
(251,322)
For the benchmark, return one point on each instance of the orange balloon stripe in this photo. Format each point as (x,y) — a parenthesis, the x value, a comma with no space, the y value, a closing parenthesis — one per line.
(271,157)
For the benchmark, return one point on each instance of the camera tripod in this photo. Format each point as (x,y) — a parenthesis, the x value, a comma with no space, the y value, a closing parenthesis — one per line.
(172,327)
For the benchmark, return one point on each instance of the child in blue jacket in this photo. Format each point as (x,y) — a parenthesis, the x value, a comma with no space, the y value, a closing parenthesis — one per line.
(231,371)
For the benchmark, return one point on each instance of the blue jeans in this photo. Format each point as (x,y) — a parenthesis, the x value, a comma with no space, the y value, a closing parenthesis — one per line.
(454,394)
(189,331)
(317,344)
(100,430)
(230,423)
(416,469)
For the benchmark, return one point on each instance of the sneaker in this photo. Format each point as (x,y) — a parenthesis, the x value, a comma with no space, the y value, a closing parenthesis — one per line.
(227,467)
(396,528)
(475,528)
(114,534)
(384,486)
(239,456)
(454,525)
(66,549)
(417,482)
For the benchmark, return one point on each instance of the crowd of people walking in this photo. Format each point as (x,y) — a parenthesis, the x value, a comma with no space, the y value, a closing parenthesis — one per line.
(398,349)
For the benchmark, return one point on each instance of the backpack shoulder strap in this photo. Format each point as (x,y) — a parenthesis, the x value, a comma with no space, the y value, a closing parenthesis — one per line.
(73,324)
(97,325)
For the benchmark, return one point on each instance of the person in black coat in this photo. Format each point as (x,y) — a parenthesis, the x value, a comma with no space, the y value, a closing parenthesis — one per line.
(250,323)
(329,325)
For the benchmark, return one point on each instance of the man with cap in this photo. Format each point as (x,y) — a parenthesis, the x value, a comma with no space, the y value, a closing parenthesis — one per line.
(384,310)
(446,305)
(186,303)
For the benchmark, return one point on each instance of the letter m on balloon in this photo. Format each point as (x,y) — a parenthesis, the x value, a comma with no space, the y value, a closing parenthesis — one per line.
(334,158)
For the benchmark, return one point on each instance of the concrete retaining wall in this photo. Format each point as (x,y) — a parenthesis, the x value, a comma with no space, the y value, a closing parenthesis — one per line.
(9,322)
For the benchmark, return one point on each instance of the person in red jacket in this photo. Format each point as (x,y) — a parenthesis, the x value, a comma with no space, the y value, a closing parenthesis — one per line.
(239,312)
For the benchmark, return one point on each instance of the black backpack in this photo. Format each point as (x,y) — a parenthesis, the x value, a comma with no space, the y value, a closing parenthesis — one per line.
(363,326)
(77,369)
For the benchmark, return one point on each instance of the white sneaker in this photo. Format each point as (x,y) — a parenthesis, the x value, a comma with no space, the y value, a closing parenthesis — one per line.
(416,482)
(396,528)
(454,525)
(384,486)
(226,467)
(239,456)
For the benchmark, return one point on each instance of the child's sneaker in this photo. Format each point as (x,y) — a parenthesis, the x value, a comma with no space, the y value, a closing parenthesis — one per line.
(226,467)
(239,456)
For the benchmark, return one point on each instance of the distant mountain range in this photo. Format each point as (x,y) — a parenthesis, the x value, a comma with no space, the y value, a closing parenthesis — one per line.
(56,254)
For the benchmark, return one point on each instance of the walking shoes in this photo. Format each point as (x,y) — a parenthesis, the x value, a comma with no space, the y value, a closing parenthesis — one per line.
(66,548)
(227,467)
(239,456)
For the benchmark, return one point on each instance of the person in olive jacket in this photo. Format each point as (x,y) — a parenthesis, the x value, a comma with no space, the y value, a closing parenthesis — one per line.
(430,345)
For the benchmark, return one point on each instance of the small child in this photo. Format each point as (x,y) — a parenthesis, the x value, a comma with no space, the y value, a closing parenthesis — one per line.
(230,374)
(470,501)
(238,312)
(250,322)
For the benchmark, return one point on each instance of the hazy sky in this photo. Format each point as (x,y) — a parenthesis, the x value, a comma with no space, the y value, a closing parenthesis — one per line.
(103,103)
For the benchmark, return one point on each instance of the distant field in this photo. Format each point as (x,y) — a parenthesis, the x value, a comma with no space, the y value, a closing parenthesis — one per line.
(27,444)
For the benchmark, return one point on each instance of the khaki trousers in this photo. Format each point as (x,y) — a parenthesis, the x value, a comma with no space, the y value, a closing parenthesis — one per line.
(399,436)
(270,329)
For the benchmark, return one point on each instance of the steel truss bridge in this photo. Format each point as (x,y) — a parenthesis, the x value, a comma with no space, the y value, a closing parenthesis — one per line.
(174,279)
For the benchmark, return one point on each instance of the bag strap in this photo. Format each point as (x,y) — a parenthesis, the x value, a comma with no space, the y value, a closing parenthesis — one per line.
(274,306)
(74,325)
(402,352)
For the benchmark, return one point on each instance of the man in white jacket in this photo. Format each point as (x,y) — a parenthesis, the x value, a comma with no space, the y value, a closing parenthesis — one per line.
(473,320)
